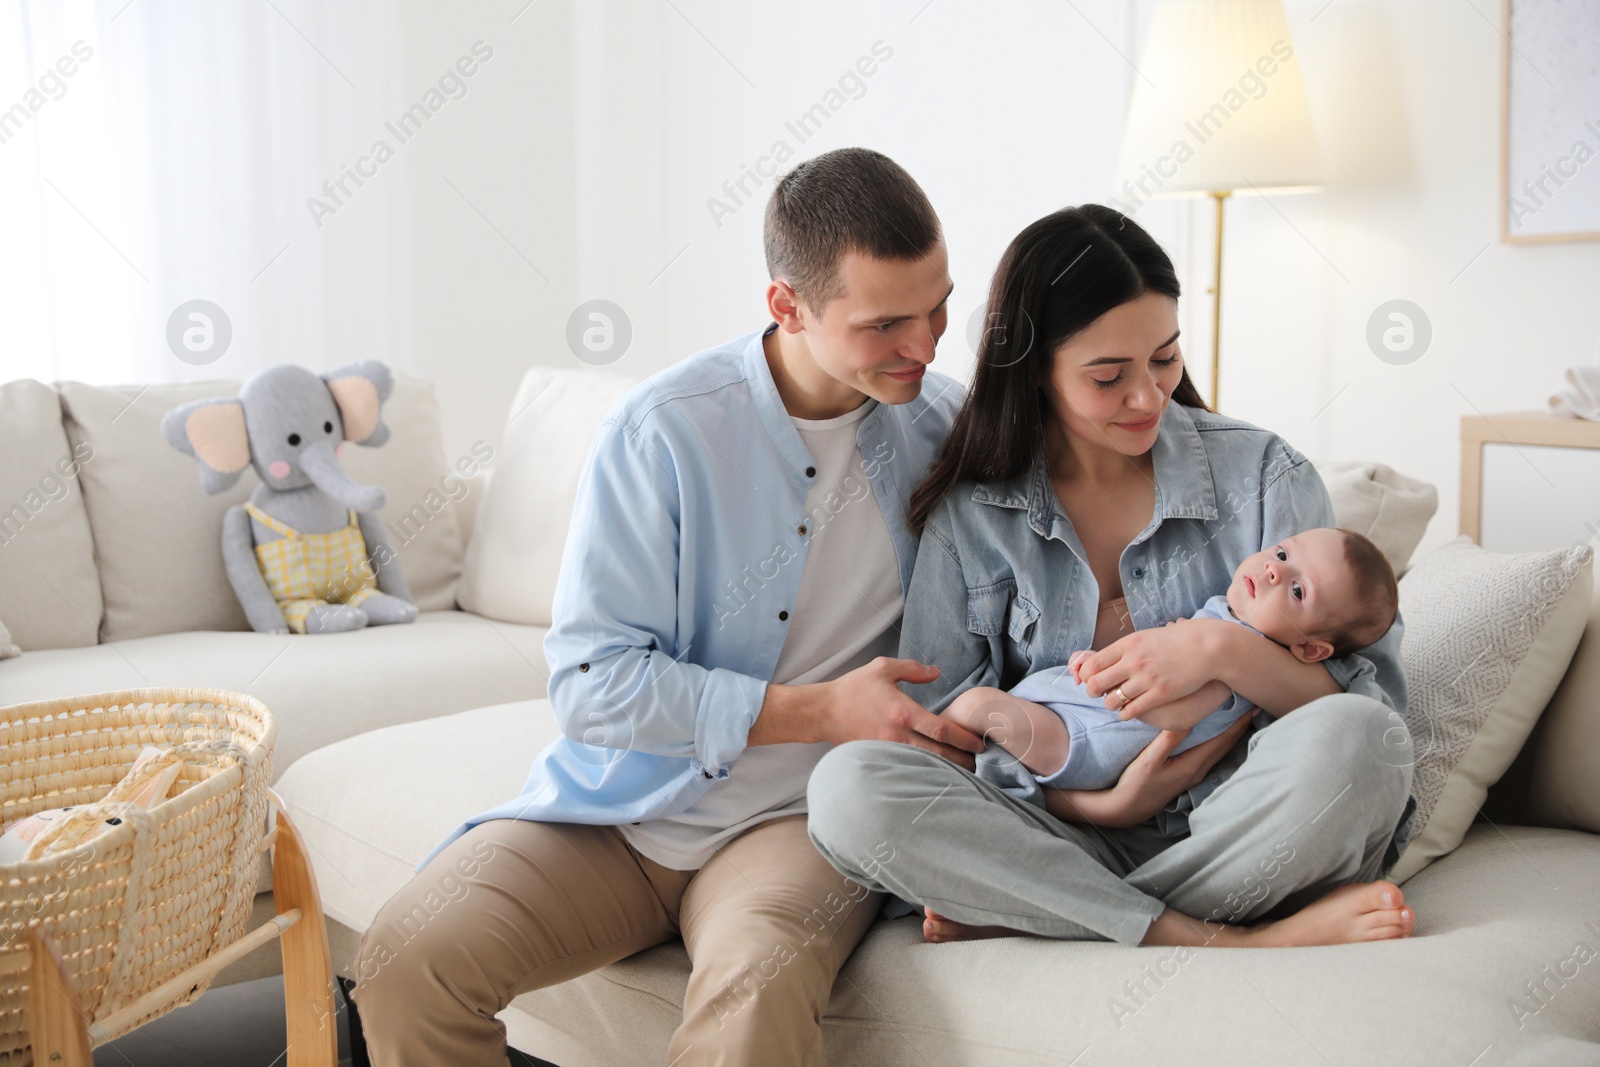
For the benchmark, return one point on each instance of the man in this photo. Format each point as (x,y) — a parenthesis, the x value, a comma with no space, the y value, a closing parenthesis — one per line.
(728,600)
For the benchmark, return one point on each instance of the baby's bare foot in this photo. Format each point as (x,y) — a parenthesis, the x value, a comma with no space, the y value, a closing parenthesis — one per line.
(1361,911)
(936,928)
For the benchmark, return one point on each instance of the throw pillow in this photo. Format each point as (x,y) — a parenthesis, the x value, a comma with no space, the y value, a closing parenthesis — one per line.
(49,583)
(158,535)
(1383,504)
(521,527)
(1488,638)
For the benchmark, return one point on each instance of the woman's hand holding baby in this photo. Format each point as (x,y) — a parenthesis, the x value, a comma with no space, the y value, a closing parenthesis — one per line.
(1157,667)
(1151,782)
(1183,713)
(1180,714)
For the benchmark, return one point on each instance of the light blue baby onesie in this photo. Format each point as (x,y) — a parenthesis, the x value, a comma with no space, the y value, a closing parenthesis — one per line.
(1102,745)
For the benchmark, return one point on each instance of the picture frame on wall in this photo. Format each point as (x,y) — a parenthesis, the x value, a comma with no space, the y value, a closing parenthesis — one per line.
(1550,121)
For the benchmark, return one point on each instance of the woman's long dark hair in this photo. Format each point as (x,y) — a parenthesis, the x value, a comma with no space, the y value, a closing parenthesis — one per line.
(1057,277)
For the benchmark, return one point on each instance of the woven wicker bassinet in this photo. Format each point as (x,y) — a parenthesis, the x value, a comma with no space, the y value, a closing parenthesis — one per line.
(141,902)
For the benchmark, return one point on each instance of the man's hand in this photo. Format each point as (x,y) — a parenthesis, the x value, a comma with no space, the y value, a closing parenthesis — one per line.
(867,705)
(864,705)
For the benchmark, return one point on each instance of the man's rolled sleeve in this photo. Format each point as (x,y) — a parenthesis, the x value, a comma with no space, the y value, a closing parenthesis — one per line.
(731,701)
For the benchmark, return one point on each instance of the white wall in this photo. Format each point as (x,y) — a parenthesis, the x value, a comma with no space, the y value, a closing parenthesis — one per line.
(609,127)
(1405,99)
(580,164)
(613,124)
(987,106)
(491,187)
(176,162)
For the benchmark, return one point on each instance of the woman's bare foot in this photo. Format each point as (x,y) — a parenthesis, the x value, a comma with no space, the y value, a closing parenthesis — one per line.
(936,928)
(1360,911)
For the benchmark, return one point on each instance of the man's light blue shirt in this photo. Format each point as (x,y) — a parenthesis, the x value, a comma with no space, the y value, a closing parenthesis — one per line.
(688,539)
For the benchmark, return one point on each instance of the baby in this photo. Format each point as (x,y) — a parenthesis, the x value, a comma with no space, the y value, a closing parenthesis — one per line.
(1321,593)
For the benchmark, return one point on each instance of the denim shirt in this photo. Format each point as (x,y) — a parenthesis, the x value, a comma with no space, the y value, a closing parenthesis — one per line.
(689,535)
(1002,586)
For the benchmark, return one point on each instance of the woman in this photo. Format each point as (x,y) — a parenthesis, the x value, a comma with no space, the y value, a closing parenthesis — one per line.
(1085,498)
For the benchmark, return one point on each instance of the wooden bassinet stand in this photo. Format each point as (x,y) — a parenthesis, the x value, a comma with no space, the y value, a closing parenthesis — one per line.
(135,904)
(60,1029)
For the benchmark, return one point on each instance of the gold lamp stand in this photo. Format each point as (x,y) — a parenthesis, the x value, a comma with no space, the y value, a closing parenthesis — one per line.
(1216,303)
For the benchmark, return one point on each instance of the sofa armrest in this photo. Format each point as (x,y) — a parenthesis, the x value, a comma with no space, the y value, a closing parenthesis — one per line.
(1555,779)
(1564,784)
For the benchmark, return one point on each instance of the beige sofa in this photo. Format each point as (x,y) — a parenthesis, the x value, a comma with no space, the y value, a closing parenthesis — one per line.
(388,738)
(111,577)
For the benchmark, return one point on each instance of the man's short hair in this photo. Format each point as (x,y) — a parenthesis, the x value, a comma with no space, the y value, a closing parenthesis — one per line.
(847,200)
(1377,596)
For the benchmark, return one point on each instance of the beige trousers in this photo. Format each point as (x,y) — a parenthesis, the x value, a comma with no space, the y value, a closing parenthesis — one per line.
(514,905)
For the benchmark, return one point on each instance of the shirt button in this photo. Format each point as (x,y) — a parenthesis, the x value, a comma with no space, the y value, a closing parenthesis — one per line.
(1138,572)
(802,530)
(783,616)
(583,668)
(811,472)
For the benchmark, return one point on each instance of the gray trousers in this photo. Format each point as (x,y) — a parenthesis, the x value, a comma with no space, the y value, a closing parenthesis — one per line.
(1312,802)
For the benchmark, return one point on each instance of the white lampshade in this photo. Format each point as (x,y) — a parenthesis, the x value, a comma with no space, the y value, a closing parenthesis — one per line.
(1218,104)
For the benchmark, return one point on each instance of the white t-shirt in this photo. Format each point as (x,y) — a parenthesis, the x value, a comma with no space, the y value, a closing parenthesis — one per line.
(846,613)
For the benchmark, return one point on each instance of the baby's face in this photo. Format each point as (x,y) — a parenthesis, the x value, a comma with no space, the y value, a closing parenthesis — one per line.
(1294,591)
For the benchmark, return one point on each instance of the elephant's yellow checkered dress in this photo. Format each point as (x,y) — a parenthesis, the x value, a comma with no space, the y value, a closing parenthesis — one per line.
(303,570)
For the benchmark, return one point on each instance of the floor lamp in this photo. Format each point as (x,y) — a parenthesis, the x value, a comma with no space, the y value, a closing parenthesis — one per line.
(1218,108)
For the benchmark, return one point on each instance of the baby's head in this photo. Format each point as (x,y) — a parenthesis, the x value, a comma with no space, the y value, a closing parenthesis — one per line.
(1320,593)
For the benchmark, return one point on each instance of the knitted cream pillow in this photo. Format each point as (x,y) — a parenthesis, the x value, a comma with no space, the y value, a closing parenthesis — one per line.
(1487,639)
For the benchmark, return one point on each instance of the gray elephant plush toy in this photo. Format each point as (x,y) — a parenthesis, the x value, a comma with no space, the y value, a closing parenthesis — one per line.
(308,553)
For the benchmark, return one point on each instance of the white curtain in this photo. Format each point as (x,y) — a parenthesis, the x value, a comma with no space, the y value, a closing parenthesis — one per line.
(155,153)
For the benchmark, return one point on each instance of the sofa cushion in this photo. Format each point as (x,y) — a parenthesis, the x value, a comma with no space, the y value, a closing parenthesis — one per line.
(474,487)
(1488,638)
(8,648)
(521,526)
(422,485)
(321,689)
(158,536)
(1486,928)
(1380,502)
(49,590)
(470,761)
(1486,924)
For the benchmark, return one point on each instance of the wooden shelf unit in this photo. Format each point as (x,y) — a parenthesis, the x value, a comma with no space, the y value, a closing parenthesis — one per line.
(1512,428)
